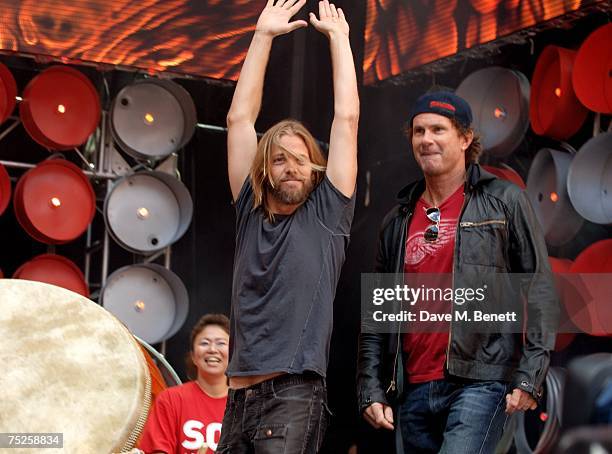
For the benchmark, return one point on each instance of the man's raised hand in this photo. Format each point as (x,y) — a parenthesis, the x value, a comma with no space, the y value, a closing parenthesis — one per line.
(331,19)
(274,19)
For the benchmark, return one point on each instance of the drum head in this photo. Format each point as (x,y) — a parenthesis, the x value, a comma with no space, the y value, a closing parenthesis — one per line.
(69,367)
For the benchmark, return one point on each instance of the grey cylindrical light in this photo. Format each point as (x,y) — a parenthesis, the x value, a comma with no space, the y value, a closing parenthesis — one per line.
(499,98)
(147,211)
(547,189)
(151,300)
(589,181)
(152,118)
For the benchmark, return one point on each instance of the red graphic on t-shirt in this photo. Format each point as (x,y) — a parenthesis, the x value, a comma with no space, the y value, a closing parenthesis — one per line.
(418,250)
(426,351)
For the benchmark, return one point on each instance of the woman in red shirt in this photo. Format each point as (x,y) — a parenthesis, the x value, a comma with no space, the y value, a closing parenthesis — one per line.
(186,419)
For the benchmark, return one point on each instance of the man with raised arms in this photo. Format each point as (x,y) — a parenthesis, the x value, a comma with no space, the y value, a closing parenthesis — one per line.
(294,210)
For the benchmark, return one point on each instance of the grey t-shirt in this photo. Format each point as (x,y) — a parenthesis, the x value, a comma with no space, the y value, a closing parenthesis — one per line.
(285,278)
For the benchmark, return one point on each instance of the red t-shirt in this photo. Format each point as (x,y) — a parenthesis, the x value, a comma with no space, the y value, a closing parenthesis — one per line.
(426,352)
(183,417)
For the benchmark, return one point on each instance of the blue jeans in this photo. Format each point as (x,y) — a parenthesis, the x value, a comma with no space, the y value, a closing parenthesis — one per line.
(287,414)
(447,417)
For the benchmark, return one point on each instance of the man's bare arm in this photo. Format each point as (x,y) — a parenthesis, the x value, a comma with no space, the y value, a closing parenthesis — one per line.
(342,159)
(246,103)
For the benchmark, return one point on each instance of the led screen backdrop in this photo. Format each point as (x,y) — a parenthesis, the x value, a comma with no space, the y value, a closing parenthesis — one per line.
(401,35)
(198,37)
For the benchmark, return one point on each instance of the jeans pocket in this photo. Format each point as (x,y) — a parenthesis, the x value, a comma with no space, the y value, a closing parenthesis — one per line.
(270,439)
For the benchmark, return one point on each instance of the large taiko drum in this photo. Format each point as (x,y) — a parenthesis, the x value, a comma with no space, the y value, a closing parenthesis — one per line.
(69,367)
(158,383)
(162,374)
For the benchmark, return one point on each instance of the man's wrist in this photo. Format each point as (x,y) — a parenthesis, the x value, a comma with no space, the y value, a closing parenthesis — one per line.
(338,35)
(530,389)
(263,35)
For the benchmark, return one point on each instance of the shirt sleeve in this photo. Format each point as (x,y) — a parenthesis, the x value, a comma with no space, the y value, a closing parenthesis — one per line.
(159,434)
(334,209)
(244,202)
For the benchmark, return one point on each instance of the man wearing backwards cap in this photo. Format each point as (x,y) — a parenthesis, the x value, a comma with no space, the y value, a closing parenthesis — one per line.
(454,389)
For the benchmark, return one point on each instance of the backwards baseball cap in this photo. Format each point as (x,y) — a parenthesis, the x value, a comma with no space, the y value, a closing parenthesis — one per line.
(444,103)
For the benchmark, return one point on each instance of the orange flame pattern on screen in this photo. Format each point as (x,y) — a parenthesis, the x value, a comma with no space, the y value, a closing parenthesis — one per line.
(199,38)
(403,34)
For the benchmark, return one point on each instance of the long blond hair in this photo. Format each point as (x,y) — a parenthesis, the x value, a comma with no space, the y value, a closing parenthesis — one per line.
(261,177)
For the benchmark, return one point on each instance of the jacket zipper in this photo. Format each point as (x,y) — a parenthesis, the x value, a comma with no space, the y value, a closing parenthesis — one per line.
(399,331)
(477,224)
(461,224)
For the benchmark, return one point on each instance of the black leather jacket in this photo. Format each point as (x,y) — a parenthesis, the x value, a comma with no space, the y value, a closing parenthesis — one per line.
(497,232)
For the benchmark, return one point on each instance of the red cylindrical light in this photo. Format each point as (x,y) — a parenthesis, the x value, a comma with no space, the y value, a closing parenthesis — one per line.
(60,108)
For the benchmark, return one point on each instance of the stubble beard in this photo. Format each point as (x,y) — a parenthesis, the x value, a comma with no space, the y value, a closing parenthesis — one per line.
(291,197)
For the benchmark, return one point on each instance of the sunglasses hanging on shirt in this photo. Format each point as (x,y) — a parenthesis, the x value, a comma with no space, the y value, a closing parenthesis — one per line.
(431,232)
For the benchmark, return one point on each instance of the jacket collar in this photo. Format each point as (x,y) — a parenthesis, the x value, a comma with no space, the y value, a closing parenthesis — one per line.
(476,176)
